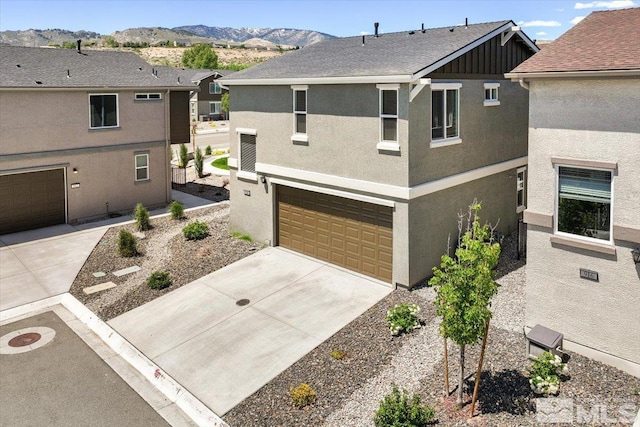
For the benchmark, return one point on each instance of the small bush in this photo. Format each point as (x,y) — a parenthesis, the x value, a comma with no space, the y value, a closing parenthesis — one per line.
(403,318)
(183,156)
(302,396)
(196,230)
(207,151)
(241,236)
(141,215)
(338,354)
(545,371)
(198,162)
(399,410)
(159,280)
(176,210)
(127,244)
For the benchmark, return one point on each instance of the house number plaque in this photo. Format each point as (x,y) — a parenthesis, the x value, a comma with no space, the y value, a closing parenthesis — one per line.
(589,275)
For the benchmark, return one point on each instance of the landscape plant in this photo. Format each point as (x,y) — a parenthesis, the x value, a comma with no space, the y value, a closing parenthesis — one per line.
(338,354)
(127,244)
(241,236)
(399,409)
(141,215)
(198,161)
(159,280)
(403,318)
(176,210)
(302,395)
(544,376)
(183,156)
(225,104)
(464,287)
(207,151)
(195,230)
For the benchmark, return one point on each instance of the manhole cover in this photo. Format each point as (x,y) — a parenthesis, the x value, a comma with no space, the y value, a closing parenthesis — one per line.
(242,302)
(24,339)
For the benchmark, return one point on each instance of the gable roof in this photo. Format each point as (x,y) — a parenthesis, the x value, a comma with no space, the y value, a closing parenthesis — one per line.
(603,41)
(403,56)
(23,67)
(197,75)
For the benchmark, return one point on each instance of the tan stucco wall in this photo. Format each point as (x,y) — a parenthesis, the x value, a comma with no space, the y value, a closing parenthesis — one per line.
(590,120)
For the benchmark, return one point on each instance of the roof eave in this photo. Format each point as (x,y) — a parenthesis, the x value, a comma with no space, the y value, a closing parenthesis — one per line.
(101,88)
(318,80)
(572,74)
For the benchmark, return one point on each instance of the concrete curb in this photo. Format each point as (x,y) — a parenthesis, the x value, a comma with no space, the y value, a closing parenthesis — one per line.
(170,388)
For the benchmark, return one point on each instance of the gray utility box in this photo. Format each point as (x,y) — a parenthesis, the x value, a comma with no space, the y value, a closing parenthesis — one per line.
(541,339)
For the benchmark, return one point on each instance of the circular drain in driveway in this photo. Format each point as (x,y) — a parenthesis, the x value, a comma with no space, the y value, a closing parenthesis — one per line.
(26,339)
(242,302)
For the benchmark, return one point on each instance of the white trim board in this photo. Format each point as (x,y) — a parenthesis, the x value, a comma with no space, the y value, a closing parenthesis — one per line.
(386,190)
(332,192)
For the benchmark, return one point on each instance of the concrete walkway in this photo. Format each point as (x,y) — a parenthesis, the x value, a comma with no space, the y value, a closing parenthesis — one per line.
(227,334)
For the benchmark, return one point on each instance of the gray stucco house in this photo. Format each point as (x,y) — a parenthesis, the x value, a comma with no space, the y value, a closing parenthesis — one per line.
(84,134)
(583,211)
(360,151)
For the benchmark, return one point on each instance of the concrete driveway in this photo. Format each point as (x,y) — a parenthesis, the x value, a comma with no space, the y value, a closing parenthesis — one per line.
(227,334)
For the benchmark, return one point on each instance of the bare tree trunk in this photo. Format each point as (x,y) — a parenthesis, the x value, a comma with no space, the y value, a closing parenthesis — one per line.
(461,377)
(446,369)
(479,371)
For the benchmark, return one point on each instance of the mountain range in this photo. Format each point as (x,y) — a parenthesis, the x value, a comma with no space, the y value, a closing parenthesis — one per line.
(188,34)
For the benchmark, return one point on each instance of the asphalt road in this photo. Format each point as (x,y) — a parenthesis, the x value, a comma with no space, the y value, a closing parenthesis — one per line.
(217,141)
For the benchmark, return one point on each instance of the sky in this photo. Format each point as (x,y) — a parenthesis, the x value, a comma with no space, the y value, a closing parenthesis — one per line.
(540,19)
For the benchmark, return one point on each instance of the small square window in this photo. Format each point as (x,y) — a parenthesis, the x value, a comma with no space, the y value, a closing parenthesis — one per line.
(491,94)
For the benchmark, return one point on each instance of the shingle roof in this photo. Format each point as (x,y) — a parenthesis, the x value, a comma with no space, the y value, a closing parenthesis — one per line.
(196,75)
(387,55)
(23,67)
(607,40)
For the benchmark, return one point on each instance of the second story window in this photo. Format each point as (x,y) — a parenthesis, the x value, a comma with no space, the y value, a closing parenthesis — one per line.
(103,109)
(491,94)
(388,113)
(214,88)
(445,112)
(300,110)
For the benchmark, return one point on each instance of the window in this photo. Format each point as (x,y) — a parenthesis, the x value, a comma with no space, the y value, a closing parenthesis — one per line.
(247,150)
(445,107)
(142,167)
(388,114)
(193,108)
(215,107)
(491,94)
(214,88)
(103,110)
(300,110)
(584,202)
(147,96)
(521,193)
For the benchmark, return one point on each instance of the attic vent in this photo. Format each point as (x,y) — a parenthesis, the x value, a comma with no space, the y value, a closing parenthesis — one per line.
(18,65)
(68,74)
(139,68)
(423,30)
(451,30)
(375,26)
(412,32)
(38,82)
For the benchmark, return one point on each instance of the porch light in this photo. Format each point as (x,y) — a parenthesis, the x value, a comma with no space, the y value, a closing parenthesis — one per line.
(636,255)
(75,170)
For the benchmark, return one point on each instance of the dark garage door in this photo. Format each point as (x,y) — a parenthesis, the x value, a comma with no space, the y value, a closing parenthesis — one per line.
(31,200)
(349,233)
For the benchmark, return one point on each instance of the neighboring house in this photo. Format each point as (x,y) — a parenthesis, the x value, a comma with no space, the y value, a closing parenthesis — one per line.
(205,104)
(583,210)
(361,151)
(84,134)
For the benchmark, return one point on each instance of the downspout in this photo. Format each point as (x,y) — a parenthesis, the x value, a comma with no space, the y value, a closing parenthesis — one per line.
(525,85)
(167,146)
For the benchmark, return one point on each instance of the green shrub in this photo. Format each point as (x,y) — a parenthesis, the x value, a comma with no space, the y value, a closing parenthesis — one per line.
(545,371)
(183,156)
(196,230)
(207,151)
(338,354)
(176,210)
(302,396)
(403,318)
(198,162)
(241,236)
(400,410)
(127,244)
(159,280)
(141,215)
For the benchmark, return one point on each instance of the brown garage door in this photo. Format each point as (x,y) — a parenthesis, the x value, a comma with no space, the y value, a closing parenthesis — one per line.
(348,233)
(31,200)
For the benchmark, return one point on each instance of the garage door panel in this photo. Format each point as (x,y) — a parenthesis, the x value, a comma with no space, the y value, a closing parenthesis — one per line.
(349,233)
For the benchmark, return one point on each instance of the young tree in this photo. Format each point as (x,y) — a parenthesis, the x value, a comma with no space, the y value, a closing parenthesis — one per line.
(464,285)
(200,56)
(225,104)
(198,162)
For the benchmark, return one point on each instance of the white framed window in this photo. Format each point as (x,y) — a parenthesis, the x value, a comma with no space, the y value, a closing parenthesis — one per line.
(215,107)
(521,189)
(491,98)
(142,167)
(445,114)
(388,109)
(214,88)
(583,203)
(247,140)
(103,110)
(148,96)
(299,110)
